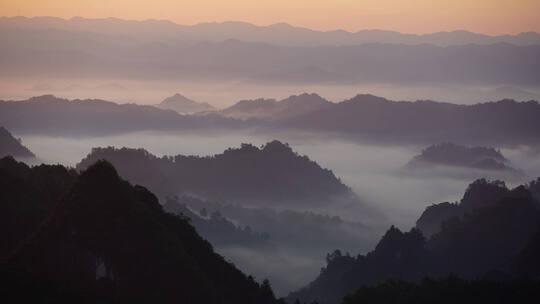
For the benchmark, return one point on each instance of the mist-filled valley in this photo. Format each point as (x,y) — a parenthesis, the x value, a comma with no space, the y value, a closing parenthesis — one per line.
(298,242)
(228,162)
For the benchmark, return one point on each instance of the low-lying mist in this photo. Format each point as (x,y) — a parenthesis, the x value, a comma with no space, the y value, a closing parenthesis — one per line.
(225,93)
(371,171)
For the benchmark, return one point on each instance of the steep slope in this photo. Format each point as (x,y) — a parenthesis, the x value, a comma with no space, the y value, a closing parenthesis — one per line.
(497,236)
(479,194)
(27,196)
(184,105)
(111,241)
(9,145)
(272,174)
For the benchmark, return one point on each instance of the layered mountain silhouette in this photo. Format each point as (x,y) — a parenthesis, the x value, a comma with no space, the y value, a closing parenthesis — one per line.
(108,241)
(272,174)
(140,53)
(48,114)
(10,145)
(365,117)
(378,119)
(270,109)
(279,33)
(184,105)
(497,232)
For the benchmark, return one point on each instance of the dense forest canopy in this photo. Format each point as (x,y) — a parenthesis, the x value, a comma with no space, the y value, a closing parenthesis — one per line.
(272,174)
(100,238)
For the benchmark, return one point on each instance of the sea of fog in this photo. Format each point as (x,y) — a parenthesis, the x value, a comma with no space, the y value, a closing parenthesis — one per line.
(225,93)
(370,170)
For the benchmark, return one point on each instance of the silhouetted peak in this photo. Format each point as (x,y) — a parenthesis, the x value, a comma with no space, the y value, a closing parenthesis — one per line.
(277,146)
(483,192)
(46,98)
(521,192)
(100,171)
(366,98)
(391,236)
(305,99)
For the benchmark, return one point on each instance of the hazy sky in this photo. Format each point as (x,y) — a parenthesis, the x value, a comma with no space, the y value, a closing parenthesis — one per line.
(416,16)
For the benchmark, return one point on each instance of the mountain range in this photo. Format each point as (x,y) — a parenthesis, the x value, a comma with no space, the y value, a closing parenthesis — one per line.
(363,117)
(48,114)
(140,53)
(279,33)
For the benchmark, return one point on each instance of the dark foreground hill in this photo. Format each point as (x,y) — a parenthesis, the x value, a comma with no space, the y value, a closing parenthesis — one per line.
(108,241)
(273,174)
(496,238)
(448,291)
(9,145)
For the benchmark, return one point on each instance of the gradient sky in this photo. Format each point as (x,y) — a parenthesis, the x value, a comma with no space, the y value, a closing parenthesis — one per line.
(414,16)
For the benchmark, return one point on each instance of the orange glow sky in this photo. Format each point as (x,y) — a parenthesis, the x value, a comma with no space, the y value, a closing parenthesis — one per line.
(414,16)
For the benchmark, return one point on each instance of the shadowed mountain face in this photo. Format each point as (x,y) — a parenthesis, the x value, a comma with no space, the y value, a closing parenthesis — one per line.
(270,109)
(497,234)
(480,193)
(27,197)
(184,105)
(272,174)
(110,241)
(9,145)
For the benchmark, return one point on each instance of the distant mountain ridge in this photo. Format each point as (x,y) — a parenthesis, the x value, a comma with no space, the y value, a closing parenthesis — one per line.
(48,114)
(184,105)
(363,117)
(274,110)
(375,118)
(40,51)
(279,33)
